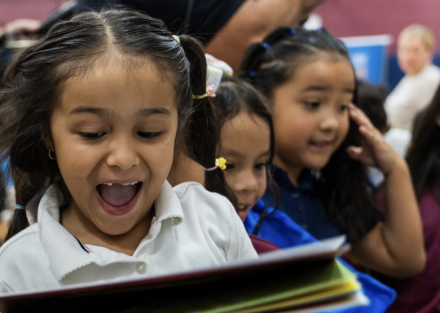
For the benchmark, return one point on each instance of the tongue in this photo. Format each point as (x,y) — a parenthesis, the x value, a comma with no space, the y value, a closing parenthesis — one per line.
(117,194)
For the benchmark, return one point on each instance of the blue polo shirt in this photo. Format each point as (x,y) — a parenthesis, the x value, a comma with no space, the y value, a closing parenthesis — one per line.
(302,204)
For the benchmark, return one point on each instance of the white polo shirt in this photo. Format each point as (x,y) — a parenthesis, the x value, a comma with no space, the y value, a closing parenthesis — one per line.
(193,228)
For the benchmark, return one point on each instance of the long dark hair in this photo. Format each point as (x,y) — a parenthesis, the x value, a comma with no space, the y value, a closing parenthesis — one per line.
(34,82)
(423,155)
(235,95)
(343,183)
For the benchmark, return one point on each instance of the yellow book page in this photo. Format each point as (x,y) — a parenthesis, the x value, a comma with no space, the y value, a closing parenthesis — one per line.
(336,291)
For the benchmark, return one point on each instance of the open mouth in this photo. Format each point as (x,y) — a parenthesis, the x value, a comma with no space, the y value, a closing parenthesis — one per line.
(320,143)
(243,207)
(118,195)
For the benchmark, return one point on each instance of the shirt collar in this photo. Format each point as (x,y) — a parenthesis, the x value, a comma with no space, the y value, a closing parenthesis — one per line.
(305,181)
(168,205)
(64,252)
(62,249)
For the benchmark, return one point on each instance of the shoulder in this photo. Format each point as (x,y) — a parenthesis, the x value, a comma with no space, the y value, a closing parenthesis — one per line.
(210,209)
(430,76)
(433,70)
(20,249)
(26,239)
(193,194)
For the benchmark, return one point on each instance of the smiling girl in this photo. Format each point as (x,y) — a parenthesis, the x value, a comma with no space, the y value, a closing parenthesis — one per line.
(323,144)
(96,111)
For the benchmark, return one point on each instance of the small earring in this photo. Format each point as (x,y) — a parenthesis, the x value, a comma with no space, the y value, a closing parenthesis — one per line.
(50,152)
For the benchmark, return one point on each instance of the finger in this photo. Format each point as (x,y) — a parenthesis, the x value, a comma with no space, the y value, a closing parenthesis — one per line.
(359,116)
(372,136)
(355,152)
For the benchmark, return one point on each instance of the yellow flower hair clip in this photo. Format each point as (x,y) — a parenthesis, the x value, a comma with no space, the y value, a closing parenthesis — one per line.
(219,163)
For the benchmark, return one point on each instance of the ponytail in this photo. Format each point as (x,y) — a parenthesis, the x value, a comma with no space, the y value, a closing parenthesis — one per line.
(34,82)
(25,189)
(202,130)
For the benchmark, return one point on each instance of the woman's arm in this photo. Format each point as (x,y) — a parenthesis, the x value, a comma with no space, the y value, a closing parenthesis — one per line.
(395,246)
(251,23)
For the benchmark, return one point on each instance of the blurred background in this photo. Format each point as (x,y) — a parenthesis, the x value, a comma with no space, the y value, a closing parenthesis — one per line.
(343,18)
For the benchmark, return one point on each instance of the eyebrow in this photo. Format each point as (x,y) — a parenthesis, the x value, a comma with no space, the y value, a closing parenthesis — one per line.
(235,153)
(324,88)
(105,112)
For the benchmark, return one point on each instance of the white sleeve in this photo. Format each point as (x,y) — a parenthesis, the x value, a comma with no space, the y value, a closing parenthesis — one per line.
(4,288)
(240,247)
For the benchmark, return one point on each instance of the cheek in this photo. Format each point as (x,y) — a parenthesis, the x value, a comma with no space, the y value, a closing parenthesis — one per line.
(233,180)
(343,129)
(262,184)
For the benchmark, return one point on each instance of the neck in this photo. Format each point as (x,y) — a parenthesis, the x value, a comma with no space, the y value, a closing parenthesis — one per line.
(86,232)
(293,171)
(185,169)
(419,71)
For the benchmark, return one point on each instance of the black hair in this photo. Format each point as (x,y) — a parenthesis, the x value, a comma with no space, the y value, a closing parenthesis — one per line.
(235,95)
(371,99)
(34,81)
(423,154)
(343,183)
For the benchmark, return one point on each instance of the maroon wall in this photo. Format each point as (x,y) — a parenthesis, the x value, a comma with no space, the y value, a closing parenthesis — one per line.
(372,17)
(36,9)
(341,17)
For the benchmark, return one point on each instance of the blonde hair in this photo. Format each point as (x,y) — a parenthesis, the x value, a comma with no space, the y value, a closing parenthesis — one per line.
(423,32)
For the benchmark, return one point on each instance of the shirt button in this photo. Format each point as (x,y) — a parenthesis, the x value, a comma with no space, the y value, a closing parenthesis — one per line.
(304,226)
(141,268)
(294,195)
(300,209)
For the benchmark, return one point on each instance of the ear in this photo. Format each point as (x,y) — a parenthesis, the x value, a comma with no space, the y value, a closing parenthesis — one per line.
(437,120)
(47,140)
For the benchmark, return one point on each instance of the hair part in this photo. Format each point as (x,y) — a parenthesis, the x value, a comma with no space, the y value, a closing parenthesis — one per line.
(34,82)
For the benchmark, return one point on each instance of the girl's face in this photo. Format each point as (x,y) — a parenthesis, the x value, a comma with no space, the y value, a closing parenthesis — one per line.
(311,114)
(245,144)
(113,134)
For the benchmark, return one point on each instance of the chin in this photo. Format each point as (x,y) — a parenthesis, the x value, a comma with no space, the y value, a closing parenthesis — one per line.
(318,165)
(115,229)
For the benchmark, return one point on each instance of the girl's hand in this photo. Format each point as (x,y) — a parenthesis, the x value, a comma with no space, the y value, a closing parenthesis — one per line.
(375,151)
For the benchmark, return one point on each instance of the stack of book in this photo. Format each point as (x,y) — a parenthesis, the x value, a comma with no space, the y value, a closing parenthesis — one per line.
(308,278)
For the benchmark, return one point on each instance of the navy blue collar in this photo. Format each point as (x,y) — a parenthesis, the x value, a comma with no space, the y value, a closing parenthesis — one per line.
(305,181)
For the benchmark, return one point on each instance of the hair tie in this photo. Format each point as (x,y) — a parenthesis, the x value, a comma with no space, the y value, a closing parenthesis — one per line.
(20,207)
(292,31)
(252,74)
(210,92)
(219,163)
(176,38)
(265,46)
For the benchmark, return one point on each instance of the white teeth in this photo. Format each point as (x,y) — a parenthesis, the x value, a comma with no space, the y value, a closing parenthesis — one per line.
(125,184)
(129,184)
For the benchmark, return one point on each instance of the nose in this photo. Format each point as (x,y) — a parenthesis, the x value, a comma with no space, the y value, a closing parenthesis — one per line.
(245,181)
(330,121)
(122,153)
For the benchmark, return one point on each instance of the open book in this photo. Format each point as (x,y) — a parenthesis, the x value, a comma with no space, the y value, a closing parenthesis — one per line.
(302,279)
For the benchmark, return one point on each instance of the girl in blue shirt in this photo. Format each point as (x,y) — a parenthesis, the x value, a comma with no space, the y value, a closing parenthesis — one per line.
(323,144)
